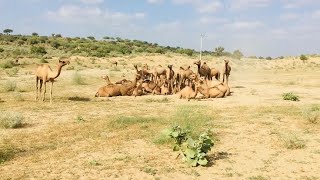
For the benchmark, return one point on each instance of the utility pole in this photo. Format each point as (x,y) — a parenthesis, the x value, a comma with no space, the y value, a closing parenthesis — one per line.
(201,37)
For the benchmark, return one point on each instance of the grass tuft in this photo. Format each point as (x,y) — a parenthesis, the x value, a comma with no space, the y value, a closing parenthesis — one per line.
(11,120)
(290,97)
(292,141)
(312,114)
(78,79)
(10,86)
(163,100)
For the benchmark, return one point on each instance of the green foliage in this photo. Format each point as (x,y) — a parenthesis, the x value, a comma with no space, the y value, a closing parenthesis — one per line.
(80,119)
(7,64)
(194,152)
(125,121)
(261,57)
(43,60)
(303,58)
(38,50)
(163,100)
(7,152)
(35,34)
(218,51)
(268,58)
(11,120)
(7,31)
(312,114)
(1,50)
(290,96)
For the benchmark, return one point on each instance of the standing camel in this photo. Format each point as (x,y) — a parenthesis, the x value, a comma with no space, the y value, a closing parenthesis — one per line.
(226,70)
(203,70)
(45,74)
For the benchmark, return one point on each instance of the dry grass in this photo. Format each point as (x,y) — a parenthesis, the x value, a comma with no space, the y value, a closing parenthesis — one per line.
(257,134)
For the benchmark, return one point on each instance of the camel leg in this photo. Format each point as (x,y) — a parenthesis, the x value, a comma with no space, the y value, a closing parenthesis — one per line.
(223,77)
(51,91)
(37,88)
(40,88)
(44,90)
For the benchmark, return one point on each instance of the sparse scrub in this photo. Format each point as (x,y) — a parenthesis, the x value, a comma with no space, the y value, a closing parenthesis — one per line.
(18,97)
(43,60)
(312,114)
(7,152)
(290,97)
(163,100)
(125,121)
(11,120)
(77,78)
(292,141)
(12,72)
(10,86)
(7,64)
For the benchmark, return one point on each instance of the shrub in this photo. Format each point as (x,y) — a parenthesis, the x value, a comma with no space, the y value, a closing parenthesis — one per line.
(77,79)
(1,50)
(291,141)
(290,97)
(12,72)
(38,50)
(268,58)
(11,120)
(303,58)
(194,152)
(10,86)
(312,114)
(7,64)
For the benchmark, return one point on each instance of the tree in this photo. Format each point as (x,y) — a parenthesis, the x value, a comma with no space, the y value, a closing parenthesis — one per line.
(38,50)
(7,31)
(268,58)
(237,54)
(35,34)
(91,38)
(303,58)
(218,51)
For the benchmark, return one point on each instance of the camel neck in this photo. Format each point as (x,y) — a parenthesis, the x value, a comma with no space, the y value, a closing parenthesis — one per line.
(57,74)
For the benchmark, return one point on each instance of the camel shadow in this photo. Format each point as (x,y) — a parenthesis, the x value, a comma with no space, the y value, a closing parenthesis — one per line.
(217,156)
(77,98)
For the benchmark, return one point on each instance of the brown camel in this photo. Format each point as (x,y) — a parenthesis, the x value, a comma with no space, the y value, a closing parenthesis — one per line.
(108,91)
(159,70)
(146,72)
(126,89)
(45,74)
(124,81)
(214,73)
(170,78)
(226,70)
(138,89)
(148,86)
(165,88)
(184,75)
(204,70)
(213,89)
(106,78)
(188,93)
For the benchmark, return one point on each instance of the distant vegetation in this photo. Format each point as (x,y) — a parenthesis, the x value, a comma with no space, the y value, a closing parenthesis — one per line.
(57,45)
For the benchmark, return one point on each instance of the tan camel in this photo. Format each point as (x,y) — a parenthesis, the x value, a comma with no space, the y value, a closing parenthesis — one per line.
(106,78)
(214,73)
(159,70)
(213,89)
(226,70)
(165,88)
(124,81)
(148,86)
(127,89)
(146,72)
(203,70)
(45,74)
(188,93)
(108,91)
(184,75)
(138,89)
(170,78)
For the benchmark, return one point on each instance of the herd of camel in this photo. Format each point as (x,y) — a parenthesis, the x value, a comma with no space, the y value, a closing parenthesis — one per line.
(165,81)
(160,81)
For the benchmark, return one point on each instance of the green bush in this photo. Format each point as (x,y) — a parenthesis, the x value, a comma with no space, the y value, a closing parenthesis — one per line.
(11,120)
(268,58)
(38,50)
(290,97)
(1,50)
(303,58)
(7,64)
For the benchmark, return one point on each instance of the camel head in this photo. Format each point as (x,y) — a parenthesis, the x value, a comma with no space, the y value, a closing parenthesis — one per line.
(145,67)
(226,61)
(197,63)
(170,66)
(63,62)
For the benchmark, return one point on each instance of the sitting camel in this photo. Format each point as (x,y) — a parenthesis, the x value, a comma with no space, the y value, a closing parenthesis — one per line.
(226,70)
(213,89)
(188,93)
(45,74)
(138,89)
(106,78)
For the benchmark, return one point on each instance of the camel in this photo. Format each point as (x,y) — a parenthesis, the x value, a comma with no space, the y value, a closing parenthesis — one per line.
(124,81)
(148,86)
(170,77)
(183,75)
(108,91)
(214,73)
(138,90)
(165,88)
(106,78)
(213,89)
(45,74)
(159,70)
(126,89)
(188,93)
(226,70)
(146,73)
(203,70)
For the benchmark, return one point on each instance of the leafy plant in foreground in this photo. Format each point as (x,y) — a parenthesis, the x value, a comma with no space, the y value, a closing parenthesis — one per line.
(290,96)
(194,152)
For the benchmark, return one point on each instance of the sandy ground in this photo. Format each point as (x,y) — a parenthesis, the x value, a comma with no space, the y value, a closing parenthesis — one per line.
(253,128)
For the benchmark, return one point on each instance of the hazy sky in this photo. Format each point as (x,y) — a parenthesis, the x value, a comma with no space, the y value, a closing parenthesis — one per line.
(256,27)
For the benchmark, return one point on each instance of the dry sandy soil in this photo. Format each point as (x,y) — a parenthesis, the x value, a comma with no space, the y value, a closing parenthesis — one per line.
(257,134)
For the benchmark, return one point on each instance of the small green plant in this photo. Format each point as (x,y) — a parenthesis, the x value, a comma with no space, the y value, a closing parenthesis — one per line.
(290,97)
(79,119)
(11,120)
(194,152)
(7,152)
(10,86)
(312,114)
(7,64)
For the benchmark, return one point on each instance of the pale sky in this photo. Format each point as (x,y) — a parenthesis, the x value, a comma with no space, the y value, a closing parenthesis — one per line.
(256,27)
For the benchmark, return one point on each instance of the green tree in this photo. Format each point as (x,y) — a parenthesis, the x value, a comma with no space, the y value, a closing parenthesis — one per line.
(268,58)
(38,50)
(219,51)
(7,31)
(35,34)
(303,58)
(91,38)
(237,54)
